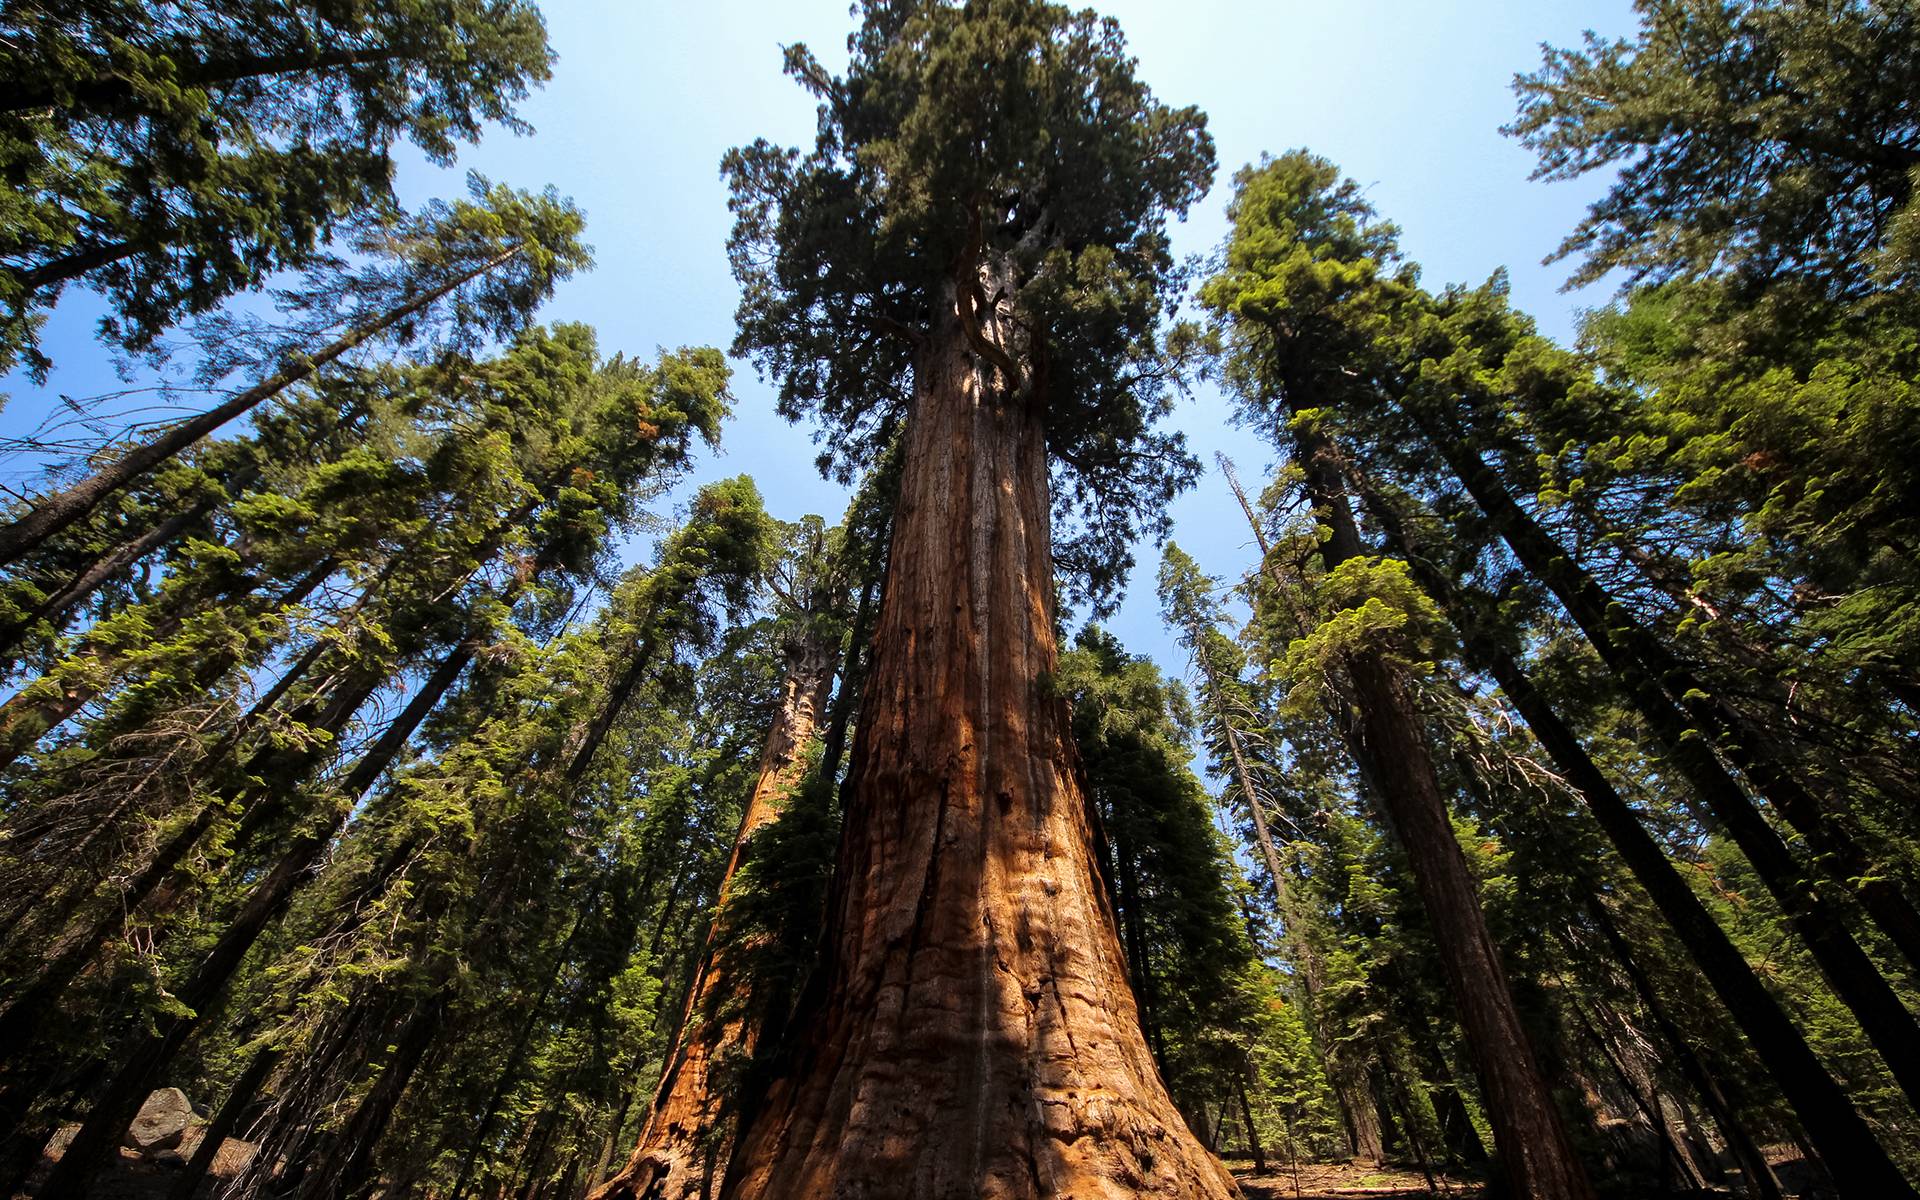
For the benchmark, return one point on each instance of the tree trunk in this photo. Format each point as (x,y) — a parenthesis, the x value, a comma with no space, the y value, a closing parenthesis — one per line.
(1622,646)
(93,95)
(1642,1090)
(1824,1107)
(152,1052)
(26,717)
(1254,1147)
(688,1133)
(1347,1068)
(1362,1119)
(1532,1142)
(1679,1050)
(347,1177)
(617,697)
(57,608)
(974,1034)
(51,513)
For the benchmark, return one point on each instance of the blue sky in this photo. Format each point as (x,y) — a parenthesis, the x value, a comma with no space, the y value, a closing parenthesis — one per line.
(1406,97)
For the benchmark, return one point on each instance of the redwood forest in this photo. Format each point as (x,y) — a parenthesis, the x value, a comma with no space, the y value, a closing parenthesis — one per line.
(1167,698)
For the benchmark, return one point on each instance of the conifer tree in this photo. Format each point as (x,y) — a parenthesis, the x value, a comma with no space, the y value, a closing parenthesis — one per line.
(980,226)
(1273,298)
(493,261)
(171,156)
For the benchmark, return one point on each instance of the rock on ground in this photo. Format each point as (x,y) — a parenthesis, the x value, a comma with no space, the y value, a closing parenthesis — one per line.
(162,1122)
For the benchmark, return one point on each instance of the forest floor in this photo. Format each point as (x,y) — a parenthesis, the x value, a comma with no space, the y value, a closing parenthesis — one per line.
(139,1178)
(1334,1181)
(1326,1181)
(136,1177)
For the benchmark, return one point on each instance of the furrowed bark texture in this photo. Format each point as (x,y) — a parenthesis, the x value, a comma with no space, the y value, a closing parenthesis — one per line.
(974,1035)
(686,1143)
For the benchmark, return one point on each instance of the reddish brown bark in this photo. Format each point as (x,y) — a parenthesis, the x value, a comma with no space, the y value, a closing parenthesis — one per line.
(687,1138)
(973,1034)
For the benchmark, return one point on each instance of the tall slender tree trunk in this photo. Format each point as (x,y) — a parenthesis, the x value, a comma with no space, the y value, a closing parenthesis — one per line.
(56,271)
(1346,1067)
(110,89)
(1679,1050)
(687,1136)
(30,714)
(226,1122)
(51,513)
(1824,1107)
(1254,1148)
(348,1173)
(1626,649)
(58,607)
(616,703)
(152,1052)
(1531,1139)
(974,1034)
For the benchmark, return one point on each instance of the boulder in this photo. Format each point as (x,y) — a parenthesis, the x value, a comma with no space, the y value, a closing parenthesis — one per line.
(162,1122)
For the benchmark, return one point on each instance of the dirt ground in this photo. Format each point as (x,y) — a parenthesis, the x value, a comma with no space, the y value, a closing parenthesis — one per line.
(1325,1181)
(137,1178)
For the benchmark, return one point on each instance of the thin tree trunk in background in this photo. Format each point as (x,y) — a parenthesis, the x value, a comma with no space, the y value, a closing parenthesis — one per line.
(54,512)
(1133,941)
(973,1034)
(688,1132)
(225,1123)
(516,1057)
(1346,1075)
(1254,1147)
(1679,1050)
(852,671)
(1535,1152)
(25,718)
(347,1177)
(58,608)
(1824,1107)
(611,1142)
(152,1052)
(1643,1093)
(1855,980)
(617,697)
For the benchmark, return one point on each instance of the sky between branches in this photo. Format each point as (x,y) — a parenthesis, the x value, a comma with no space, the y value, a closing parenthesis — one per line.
(1406,97)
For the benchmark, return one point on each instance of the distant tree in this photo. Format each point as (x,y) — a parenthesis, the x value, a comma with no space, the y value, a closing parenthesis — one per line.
(493,261)
(1296,289)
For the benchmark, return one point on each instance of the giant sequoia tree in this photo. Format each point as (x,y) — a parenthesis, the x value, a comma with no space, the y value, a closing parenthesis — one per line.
(979,227)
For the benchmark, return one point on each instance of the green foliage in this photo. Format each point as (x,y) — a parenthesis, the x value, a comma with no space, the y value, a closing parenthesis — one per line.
(170,156)
(1368,603)
(1768,140)
(1009,138)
